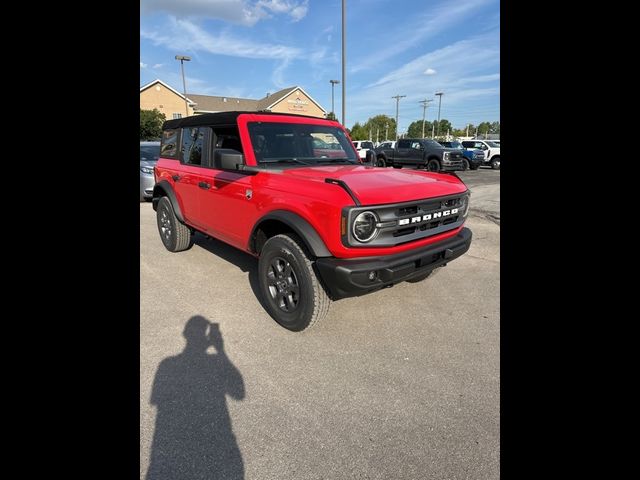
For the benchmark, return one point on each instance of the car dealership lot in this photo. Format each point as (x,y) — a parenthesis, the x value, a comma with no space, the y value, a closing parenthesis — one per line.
(402,383)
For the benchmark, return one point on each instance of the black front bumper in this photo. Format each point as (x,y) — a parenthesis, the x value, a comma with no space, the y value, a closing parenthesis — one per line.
(350,278)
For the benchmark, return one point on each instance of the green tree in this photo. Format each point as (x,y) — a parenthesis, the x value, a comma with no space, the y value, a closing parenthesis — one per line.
(331,116)
(445,126)
(488,127)
(376,128)
(358,132)
(415,129)
(151,124)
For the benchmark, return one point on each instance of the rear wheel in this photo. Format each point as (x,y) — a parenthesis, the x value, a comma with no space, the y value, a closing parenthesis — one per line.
(175,235)
(495,163)
(433,165)
(381,162)
(292,292)
(465,164)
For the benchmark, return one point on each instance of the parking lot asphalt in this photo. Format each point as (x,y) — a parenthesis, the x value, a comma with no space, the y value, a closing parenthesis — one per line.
(399,384)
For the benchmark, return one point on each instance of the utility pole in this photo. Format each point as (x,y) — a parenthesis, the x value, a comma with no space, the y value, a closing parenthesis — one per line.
(370,134)
(184,58)
(397,97)
(476,135)
(386,131)
(424,103)
(377,134)
(467,130)
(439,94)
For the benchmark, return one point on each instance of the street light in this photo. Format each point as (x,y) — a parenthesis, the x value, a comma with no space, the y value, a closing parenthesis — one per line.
(439,94)
(184,58)
(333,83)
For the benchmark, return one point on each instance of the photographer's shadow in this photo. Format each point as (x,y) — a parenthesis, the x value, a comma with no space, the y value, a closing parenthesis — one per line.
(193,438)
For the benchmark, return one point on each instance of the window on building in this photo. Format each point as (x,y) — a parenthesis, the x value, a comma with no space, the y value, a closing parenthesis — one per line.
(177,115)
(192,143)
(169,143)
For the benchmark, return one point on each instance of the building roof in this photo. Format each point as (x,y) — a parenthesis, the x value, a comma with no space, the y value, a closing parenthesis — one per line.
(210,104)
(157,80)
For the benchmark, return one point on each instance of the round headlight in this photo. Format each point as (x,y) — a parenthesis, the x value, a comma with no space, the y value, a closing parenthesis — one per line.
(364,226)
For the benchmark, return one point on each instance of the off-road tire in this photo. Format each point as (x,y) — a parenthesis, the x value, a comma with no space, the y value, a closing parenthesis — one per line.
(292,292)
(381,162)
(175,235)
(495,163)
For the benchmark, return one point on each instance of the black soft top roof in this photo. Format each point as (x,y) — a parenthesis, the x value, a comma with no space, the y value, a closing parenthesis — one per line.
(220,118)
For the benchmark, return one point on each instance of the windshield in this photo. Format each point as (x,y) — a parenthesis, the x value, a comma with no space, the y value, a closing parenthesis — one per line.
(432,143)
(300,144)
(493,144)
(149,152)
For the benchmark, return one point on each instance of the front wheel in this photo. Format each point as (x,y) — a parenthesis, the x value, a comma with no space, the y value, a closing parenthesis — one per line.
(175,235)
(495,163)
(292,292)
(433,165)
(465,164)
(380,162)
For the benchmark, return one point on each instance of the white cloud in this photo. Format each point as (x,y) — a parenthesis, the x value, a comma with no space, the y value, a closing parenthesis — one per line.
(184,35)
(447,15)
(430,71)
(243,12)
(464,72)
(158,65)
(143,65)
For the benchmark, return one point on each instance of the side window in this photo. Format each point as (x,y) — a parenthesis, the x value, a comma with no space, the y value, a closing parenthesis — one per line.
(416,145)
(192,144)
(169,143)
(404,143)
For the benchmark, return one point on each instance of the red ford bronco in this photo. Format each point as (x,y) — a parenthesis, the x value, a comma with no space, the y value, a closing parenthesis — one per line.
(292,191)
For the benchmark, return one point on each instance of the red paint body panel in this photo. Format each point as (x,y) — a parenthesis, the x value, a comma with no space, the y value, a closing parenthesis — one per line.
(225,212)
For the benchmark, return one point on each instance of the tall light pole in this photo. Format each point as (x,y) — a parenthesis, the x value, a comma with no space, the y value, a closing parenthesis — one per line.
(439,94)
(184,58)
(333,84)
(397,97)
(424,103)
(344,59)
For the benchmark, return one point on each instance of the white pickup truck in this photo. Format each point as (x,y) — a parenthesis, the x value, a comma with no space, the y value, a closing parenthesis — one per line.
(490,148)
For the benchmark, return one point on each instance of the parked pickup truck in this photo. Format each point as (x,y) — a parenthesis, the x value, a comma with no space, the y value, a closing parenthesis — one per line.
(473,158)
(421,153)
(291,191)
(490,148)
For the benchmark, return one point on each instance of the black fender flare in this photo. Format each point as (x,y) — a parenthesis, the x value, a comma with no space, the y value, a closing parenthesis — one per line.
(163,188)
(300,226)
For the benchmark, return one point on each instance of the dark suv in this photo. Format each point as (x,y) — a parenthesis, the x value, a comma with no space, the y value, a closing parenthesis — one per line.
(291,191)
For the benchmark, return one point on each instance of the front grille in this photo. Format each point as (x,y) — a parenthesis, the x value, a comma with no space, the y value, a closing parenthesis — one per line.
(407,222)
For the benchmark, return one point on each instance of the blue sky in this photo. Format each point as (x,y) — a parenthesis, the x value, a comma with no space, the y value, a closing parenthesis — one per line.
(246,48)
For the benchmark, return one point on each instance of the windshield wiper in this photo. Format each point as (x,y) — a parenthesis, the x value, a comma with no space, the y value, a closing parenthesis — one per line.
(285,160)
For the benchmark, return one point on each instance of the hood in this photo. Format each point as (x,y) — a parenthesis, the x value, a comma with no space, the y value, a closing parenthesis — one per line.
(376,186)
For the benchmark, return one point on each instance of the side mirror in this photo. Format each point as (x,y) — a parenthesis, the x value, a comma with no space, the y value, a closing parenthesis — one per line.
(227,159)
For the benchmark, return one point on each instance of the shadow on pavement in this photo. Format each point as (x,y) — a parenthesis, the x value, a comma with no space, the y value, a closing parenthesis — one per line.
(193,437)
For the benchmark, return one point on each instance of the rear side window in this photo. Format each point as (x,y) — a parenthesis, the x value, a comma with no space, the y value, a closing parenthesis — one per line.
(404,143)
(367,145)
(192,145)
(169,143)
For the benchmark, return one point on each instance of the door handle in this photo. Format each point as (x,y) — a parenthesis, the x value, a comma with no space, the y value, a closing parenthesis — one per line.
(204,185)
(175,177)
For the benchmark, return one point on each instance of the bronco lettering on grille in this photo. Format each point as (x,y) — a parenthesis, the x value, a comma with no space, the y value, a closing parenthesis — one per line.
(427,217)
